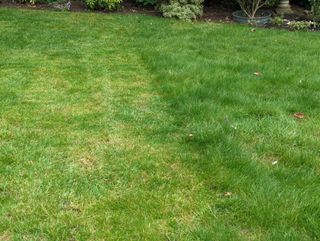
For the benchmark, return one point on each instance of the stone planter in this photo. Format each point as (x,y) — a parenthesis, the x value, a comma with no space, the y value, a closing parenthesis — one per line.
(284,7)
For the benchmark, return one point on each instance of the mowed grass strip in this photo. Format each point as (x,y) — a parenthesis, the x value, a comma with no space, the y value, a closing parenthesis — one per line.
(129,127)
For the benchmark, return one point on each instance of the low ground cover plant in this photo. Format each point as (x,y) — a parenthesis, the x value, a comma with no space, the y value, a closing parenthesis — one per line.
(295,25)
(103,4)
(182,9)
(301,25)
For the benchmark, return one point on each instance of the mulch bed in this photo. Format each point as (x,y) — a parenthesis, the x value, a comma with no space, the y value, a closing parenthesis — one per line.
(79,6)
(212,13)
(217,13)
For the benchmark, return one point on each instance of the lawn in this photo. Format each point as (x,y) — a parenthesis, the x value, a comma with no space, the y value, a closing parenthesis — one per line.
(132,127)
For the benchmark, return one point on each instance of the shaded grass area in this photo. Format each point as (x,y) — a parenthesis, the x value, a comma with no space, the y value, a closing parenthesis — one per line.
(117,127)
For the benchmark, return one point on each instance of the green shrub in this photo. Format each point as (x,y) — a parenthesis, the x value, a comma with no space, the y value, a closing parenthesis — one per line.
(301,25)
(61,5)
(103,4)
(278,21)
(315,9)
(182,9)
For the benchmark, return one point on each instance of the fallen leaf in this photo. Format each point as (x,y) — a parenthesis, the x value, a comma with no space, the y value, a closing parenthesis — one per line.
(190,135)
(234,127)
(227,194)
(257,73)
(298,115)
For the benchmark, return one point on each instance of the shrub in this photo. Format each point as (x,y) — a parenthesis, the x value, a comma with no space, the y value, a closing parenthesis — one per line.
(315,9)
(61,5)
(182,9)
(301,25)
(278,21)
(103,4)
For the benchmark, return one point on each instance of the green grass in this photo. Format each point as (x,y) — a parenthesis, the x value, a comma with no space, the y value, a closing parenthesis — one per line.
(129,127)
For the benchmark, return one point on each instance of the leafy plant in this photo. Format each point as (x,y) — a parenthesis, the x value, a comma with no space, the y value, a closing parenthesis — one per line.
(301,25)
(182,9)
(315,9)
(61,5)
(103,4)
(278,21)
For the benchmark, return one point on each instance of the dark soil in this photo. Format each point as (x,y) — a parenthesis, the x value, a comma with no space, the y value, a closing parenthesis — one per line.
(79,6)
(212,12)
(218,13)
(13,4)
(215,12)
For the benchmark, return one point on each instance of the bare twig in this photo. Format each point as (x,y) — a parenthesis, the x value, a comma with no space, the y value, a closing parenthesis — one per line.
(251,7)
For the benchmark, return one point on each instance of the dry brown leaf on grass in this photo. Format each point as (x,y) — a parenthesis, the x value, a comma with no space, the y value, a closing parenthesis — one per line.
(257,73)
(299,115)
(227,194)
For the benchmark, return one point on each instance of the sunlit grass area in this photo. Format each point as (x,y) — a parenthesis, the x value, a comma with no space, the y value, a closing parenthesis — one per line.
(131,127)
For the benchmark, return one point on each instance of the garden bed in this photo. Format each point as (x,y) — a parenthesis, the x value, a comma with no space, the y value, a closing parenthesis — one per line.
(79,6)
(212,12)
